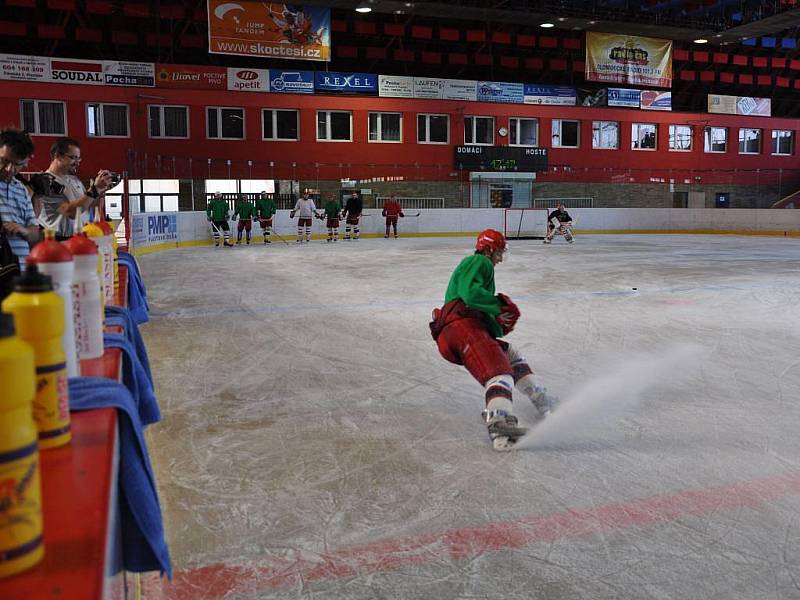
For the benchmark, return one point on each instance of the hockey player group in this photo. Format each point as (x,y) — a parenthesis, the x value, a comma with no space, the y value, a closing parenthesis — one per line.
(305,210)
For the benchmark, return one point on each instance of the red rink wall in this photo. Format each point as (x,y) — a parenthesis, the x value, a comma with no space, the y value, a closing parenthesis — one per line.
(308,159)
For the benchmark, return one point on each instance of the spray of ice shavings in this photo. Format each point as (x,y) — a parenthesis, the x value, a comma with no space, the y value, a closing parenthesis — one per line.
(591,411)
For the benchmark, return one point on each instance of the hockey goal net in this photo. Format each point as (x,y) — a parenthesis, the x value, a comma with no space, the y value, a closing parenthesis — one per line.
(525,223)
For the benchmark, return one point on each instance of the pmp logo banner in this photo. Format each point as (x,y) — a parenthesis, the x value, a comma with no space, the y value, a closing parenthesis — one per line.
(162,228)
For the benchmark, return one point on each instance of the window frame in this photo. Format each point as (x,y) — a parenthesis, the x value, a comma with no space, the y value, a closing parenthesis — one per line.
(474,123)
(760,141)
(380,132)
(671,137)
(560,133)
(36,103)
(514,125)
(328,126)
(706,138)
(635,137)
(274,112)
(218,110)
(163,136)
(428,127)
(617,123)
(102,120)
(791,143)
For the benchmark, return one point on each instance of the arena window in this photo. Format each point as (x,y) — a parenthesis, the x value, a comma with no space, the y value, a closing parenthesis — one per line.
(782,142)
(680,138)
(605,135)
(43,117)
(334,126)
(565,133)
(385,127)
(716,139)
(280,124)
(107,120)
(433,129)
(643,136)
(225,123)
(168,121)
(479,131)
(523,132)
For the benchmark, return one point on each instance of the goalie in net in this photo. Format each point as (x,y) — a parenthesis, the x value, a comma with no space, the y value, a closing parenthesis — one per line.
(559,222)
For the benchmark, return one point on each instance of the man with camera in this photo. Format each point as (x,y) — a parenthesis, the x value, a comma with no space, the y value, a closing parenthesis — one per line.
(61,193)
(16,212)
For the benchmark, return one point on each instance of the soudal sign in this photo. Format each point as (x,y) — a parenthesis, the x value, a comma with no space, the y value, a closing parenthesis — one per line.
(81,72)
(248,80)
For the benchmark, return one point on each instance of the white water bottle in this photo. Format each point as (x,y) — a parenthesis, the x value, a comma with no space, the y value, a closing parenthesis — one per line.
(86,297)
(55,260)
(106,263)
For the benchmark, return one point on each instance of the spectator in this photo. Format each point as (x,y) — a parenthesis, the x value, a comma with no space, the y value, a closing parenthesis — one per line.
(16,210)
(66,192)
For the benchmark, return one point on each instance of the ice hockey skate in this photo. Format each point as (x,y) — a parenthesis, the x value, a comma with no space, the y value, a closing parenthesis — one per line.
(504,429)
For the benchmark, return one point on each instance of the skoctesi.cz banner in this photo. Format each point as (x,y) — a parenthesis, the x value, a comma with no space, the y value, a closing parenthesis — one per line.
(635,60)
(269,29)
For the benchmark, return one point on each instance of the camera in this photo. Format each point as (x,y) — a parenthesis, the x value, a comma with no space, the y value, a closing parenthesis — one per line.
(42,184)
(115,178)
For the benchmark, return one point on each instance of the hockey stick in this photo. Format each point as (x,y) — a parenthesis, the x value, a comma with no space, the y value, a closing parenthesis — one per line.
(519,229)
(416,215)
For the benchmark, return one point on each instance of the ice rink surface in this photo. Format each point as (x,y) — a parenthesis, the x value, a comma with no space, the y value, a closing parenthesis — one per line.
(315,445)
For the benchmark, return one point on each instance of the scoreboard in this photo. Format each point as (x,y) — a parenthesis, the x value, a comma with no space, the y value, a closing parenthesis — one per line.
(499,158)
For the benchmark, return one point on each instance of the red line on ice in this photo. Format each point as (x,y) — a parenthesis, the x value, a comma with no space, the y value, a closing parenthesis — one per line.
(215,581)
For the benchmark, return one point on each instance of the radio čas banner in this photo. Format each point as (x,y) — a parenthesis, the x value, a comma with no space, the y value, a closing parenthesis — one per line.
(269,29)
(616,58)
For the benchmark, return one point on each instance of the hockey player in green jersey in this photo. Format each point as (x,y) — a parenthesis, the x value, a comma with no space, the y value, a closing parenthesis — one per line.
(332,213)
(467,328)
(245,210)
(217,215)
(266,209)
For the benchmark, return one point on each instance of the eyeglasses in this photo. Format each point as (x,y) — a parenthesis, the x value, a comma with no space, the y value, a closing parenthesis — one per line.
(73,157)
(5,163)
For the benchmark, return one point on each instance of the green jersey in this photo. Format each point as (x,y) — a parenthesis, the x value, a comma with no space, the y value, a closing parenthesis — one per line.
(217,209)
(245,210)
(473,283)
(266,208)
(332,209)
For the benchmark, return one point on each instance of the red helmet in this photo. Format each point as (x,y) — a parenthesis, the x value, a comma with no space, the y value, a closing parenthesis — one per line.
(491,240)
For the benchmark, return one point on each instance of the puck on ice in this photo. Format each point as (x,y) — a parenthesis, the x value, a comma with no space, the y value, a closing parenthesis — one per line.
(633,288)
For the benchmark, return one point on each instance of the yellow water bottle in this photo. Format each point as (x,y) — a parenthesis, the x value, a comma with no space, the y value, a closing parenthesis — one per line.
(21,543)
(105,263)
(39,317)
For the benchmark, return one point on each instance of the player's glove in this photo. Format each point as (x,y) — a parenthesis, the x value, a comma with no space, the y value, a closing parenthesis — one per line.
(291,214)
(401,214)
(208,219)
(383,213)
(509,314)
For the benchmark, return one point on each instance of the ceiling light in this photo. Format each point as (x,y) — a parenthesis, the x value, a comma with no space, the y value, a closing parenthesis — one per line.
(701,41)
(562,19)
(592,22)
(546,25)
(363,8)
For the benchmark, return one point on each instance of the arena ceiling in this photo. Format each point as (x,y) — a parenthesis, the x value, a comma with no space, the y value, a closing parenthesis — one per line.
(752,45)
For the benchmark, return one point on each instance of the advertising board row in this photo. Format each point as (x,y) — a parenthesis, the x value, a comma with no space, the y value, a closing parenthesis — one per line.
(15,67)
(644,99)
(739,105)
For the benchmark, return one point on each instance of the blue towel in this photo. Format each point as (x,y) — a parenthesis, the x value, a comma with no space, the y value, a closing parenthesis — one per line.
(137,294)
(144,547)
(135,378)
(121,317)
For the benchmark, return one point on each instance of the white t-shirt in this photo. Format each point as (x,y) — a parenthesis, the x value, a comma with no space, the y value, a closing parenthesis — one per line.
(73,189)
(304,208)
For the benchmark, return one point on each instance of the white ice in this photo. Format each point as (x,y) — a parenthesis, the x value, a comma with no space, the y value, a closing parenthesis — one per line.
(315,445)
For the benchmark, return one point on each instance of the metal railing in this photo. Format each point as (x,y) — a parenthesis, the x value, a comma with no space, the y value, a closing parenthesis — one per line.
(412,202)
(567,202)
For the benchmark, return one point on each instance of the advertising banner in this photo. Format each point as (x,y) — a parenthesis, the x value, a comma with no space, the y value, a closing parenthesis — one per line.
(757,107)
(623,97)
(72,70)
(269,29)
(460,89)
(346,83)
(652,100)
(191,78)
(291,82)
(635,60)
(739,105)
(395,86)
(492,91)
(551,95)
(428,87)
(16,67)
(248,80)
(134,74)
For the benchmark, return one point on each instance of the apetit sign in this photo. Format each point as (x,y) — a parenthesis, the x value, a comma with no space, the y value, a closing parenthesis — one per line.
(248,80)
